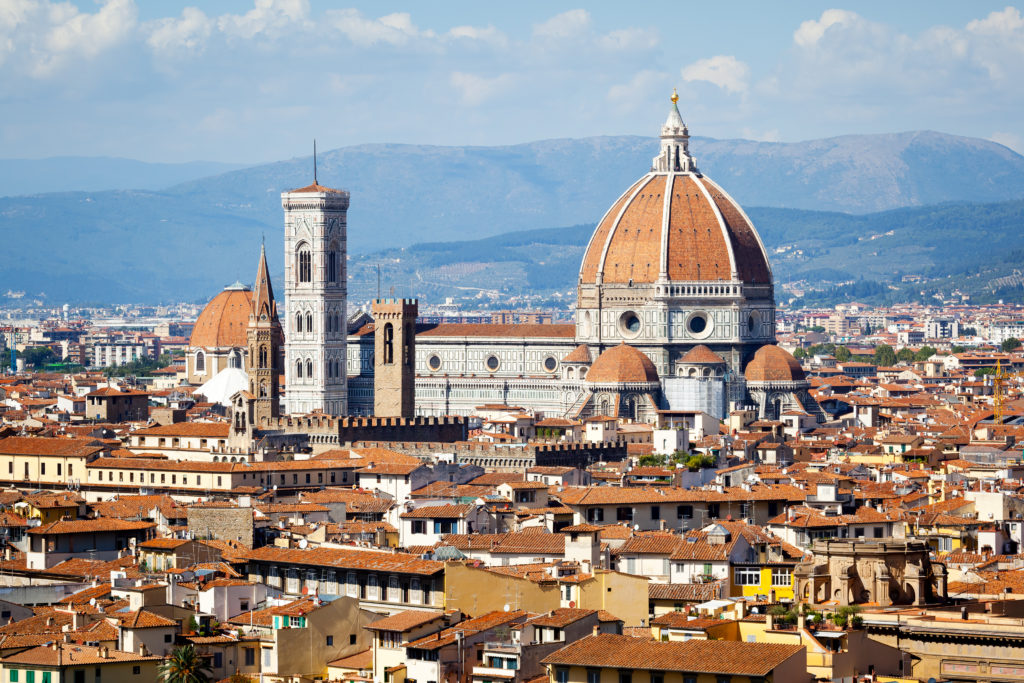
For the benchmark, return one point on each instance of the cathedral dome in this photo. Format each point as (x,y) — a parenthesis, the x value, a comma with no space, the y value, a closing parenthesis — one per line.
(774,364)
(224,320)
(674,225)
(622,364)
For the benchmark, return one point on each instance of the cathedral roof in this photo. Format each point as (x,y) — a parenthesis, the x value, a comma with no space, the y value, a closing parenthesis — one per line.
(774,364)
(224,320)
(674,224)
(581,354)
(622,364)
(702,354)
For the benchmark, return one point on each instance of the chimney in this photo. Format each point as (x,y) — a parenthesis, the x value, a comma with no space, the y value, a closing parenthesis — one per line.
(55,645)
(801,621)
(49,621)
(769,621)
(67,637)
(143,652)
(597,629)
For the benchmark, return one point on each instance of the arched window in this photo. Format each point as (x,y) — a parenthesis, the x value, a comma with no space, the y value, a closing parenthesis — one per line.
(263,357)
(305,264)
(309,369)
(298,369)
(337,368)
(309,322)
(263,389)
(330,369)
(389,344)
(235,360)
(332,266)
(200,361)
(298,322)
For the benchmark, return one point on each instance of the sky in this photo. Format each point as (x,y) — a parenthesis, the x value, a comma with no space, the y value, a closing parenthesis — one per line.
(254,81)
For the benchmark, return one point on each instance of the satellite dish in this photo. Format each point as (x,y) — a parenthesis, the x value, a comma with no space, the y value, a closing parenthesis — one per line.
(92,602)
(636,527)
(303,543)
(572,604)
(507,607)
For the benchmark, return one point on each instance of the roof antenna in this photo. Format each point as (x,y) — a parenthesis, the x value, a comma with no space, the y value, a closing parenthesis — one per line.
(314,163)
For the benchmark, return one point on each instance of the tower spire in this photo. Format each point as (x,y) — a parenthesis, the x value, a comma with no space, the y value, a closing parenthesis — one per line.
(263,303)
(675,143)
(315,182)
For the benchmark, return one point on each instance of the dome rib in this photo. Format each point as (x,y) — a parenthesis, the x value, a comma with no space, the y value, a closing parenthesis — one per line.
(752,263)
(593,259)
(722,225)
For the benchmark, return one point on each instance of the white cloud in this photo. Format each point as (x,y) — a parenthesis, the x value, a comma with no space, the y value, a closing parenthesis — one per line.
(267,18)
(629,39)
(475,90)
(638,89)
(186,34)
(771,135)
(391,29)
(725,71)
(483,34)
(812,30)
(565,26)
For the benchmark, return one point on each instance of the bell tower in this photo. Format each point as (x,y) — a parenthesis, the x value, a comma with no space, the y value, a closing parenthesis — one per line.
(394,357)
(264,337)
(315,291)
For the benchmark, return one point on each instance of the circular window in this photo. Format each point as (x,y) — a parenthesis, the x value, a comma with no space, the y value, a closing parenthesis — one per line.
(492,363)
(550,364)
(699,325)
(751,323)
(434,362)
(629,324)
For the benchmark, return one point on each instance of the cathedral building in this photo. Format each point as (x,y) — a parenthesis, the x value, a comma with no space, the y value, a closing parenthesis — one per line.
(675,311)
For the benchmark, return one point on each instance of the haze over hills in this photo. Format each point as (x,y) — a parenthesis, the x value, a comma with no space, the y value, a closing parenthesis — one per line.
(189,240)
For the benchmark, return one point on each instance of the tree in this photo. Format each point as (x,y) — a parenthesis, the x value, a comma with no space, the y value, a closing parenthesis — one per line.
(958,349)
(924,353)
(905,355)
(799,353)
(185,665)
(652,460)
(884,355)
(1011,344)
(37,356)
(842,354)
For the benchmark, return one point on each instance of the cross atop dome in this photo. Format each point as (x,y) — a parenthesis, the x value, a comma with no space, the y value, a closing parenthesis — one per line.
(675,144)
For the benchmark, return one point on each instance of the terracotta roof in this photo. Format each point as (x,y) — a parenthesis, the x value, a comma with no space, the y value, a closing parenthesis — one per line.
(562,617)
(88,526)
(581,354)
(622,364)
(404,621)
(68,654)
(684,592)
(316,187)
(200,429)
(708,238)
(438,512)
(30,445)
(399,563)
(702,656)
(773,364)
(224,321)
(701,354)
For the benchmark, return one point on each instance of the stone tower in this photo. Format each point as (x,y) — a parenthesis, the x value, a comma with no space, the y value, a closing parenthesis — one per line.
(394,357)
(315,294)
(264,338)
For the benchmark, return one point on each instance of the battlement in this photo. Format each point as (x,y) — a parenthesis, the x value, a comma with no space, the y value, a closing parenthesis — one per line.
(511,457)
(387,308)
(328,429)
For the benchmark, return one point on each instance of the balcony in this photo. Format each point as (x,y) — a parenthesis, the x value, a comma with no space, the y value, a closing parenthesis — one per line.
(493,672)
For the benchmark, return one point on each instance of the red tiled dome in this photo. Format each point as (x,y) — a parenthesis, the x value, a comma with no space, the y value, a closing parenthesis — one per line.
(699,234)
(622,364)
(224,320)
(774,364)
(701,354)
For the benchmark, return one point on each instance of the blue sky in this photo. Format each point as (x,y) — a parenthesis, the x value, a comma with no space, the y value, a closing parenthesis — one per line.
(251,81)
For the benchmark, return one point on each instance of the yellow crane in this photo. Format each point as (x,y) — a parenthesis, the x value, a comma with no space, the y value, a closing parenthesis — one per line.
(998,385)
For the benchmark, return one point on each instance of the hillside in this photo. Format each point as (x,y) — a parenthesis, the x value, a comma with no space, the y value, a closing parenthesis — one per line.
(191,239)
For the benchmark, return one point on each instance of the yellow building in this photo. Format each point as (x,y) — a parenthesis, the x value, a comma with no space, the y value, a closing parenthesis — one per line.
(772,581)
(545,587)
(26,460)
(609,658)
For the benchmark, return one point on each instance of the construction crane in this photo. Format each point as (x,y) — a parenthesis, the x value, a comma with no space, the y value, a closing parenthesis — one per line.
(998,385)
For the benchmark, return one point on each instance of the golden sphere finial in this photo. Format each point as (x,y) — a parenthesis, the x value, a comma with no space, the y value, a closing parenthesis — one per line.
(675,96)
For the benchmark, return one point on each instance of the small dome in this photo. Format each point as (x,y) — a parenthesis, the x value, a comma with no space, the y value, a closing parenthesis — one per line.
(701,355)
(774,364)
(224,320)
(622,364)
(581,354)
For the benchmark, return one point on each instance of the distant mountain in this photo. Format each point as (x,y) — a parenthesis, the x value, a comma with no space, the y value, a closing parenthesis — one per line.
(403,194)
(90,174)
(190,239)
(975,248)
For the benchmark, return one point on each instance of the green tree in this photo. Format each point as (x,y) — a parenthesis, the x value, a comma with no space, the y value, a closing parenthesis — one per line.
(924,353)
(884,355)
(185,665)
(816,328)
(905,355)
(842,354)
(799,353)
(1011,344)
(958,349)
(37,356)
(982,372)
(652,460)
